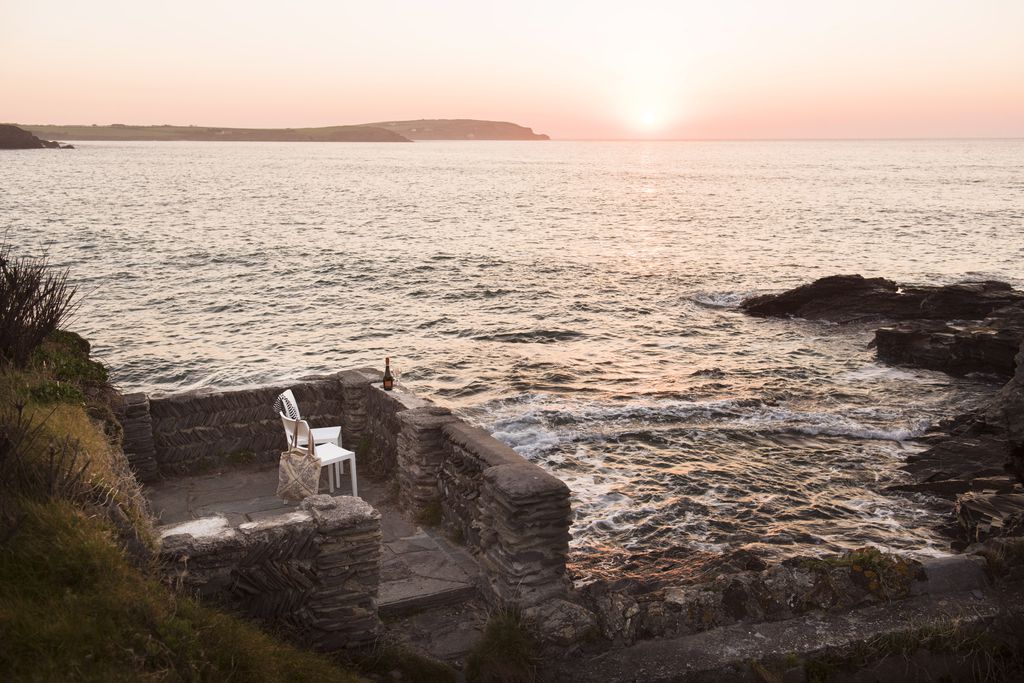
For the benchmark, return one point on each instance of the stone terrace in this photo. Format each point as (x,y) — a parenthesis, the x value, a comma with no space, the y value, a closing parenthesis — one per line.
(328,569)
(419,567)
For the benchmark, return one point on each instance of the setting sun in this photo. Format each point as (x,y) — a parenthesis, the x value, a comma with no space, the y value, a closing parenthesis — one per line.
(649,119)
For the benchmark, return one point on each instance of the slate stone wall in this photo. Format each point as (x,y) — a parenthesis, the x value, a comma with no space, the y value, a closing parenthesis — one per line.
(468,452)
(513,513)
(355,387)
(420,455)
(137,424)
(195,431)
(383,426)
(312,574)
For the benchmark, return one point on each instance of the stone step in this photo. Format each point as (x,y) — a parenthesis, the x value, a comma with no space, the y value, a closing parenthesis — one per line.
(398,598)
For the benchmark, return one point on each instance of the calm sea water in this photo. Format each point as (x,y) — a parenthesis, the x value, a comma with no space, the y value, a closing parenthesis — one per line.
(578,299)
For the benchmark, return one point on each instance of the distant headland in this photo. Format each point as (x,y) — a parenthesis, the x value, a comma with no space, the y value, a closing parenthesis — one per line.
(12,137)
(459,129)
(384,131)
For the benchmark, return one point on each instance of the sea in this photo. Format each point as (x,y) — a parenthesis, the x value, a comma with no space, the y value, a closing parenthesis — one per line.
(577,299)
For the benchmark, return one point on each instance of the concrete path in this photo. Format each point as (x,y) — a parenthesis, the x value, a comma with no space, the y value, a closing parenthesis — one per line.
(420,569)
(725,654)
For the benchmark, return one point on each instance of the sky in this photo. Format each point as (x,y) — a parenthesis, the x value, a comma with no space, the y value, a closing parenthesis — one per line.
(574,70)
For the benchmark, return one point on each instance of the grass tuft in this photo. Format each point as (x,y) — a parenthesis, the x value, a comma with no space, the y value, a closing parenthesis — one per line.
(396,661)
(505,654)
(34,301)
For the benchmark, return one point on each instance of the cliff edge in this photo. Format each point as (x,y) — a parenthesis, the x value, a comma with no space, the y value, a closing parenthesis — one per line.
(12,137)
(460,129)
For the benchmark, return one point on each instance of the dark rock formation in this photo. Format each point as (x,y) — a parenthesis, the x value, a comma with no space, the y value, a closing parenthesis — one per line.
(781,591)
(852,298)
(12,137)
(988,346)
(933,330)
(979,452)
(984,514)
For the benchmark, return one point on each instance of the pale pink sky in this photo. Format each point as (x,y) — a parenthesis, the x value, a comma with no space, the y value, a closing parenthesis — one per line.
(718,68)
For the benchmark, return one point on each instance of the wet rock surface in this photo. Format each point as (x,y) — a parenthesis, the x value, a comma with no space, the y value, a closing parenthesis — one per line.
(978,461)
(986,346)
(854,298)
(974,460)
(621,615)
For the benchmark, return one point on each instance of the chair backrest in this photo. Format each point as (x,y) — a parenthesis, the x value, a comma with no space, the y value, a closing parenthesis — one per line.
(296,430)
(286,404)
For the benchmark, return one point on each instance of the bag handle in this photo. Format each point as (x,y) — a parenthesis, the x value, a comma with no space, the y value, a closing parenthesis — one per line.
(310,448)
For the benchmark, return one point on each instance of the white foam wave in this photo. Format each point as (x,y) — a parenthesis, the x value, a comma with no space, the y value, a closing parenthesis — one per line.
(876,373)
(830,424)
(720,299)
(528,433)
(655,411)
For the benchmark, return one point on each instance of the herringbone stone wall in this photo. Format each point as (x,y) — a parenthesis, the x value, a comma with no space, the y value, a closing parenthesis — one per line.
(312,574)
(195,431)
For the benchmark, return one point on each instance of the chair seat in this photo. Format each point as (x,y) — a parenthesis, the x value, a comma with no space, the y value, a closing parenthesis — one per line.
(323,435)
(330,454)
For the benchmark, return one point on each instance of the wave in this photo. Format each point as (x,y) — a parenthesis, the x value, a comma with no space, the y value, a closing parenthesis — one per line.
(531,336)
(539,428)
(782,420)
(721,299)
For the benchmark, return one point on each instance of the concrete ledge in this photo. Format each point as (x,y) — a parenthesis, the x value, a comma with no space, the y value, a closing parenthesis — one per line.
(952,574)
(400,399)
(481,444)
(525,481)
(332,513)
(725,654)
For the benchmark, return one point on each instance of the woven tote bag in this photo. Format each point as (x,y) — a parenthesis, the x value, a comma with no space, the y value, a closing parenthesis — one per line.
(298,473)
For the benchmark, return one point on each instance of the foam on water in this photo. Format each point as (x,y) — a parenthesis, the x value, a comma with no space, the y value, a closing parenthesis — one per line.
(542,292)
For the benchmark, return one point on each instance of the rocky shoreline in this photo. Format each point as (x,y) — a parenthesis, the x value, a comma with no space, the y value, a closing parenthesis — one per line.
(12,137)
(975,460)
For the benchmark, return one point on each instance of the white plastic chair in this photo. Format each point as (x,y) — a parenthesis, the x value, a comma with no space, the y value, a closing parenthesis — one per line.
(331,456)
(288,407)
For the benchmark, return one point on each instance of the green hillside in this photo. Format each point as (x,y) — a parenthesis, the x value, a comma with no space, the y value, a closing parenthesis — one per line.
(384,131)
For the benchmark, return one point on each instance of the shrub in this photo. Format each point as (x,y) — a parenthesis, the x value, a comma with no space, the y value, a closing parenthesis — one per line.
(505,654)
(34,301)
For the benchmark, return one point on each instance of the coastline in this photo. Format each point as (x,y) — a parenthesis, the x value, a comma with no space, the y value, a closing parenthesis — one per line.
(385,131)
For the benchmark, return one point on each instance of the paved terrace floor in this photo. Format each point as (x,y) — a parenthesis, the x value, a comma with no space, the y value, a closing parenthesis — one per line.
(420,569)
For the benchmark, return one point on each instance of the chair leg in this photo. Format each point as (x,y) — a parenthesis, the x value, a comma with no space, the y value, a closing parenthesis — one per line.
(355,491)
(330,477)
(339,467)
